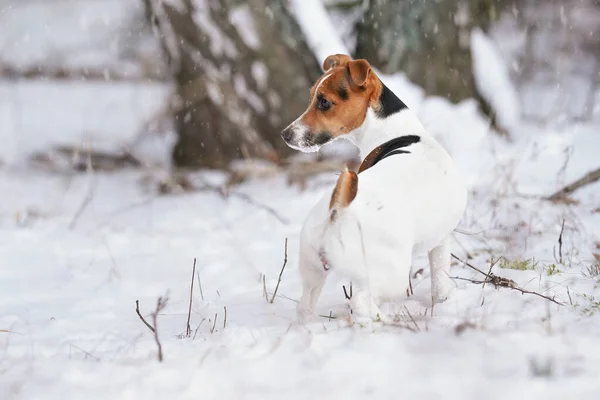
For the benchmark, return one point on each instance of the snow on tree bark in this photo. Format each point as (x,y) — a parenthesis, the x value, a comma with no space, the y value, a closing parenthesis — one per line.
(243,72)
(426,39)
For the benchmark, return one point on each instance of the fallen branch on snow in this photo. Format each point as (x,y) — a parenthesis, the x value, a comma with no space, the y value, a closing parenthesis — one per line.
(499,281)
(561,195)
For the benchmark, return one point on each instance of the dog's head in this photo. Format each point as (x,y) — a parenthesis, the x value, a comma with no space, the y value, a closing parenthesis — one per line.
(338,103)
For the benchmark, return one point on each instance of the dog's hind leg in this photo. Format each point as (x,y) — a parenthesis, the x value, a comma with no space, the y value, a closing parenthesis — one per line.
(439,261)
(313,280)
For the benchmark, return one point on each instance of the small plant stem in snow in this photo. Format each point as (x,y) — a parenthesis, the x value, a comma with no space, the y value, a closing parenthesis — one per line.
(280,273)
(137,310)
(161,303)
(188,329)
(214,324)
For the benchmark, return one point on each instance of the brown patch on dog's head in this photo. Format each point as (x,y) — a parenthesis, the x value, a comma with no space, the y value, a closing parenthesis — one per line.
(338,103)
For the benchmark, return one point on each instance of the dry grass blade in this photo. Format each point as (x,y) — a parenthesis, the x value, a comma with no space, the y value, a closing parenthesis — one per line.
(188,329)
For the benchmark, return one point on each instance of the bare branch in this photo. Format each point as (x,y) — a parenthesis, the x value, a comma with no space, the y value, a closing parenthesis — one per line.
(561,195)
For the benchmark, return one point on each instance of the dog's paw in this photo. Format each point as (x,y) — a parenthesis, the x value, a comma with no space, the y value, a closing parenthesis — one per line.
(305,315)
(365,309)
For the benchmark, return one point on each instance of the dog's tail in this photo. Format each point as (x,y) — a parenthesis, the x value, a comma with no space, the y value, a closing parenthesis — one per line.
(344,193)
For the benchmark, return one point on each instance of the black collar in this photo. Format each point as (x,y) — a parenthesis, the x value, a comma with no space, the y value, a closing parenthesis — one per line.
(387,149)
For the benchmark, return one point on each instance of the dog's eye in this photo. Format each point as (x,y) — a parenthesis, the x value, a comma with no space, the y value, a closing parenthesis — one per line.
(323,104)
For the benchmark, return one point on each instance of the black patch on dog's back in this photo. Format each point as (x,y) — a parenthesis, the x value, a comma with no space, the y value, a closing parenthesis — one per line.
(389,103)
(395,146)
(389,148)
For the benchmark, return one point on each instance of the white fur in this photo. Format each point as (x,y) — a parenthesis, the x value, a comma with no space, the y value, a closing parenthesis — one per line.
(405,204)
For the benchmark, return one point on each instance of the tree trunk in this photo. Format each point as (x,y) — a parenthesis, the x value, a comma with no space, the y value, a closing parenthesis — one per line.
(428,40)
(243,72)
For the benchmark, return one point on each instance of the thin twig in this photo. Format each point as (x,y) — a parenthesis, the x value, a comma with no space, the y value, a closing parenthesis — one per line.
(492,263)
(87,353)
(560,241)
(244,197)
(188,329)
(281,272)
(199,284)
(329,317)
(569,294)
(198,327)
(265,288)
(346,295)
(225,318)
(137,310)
(412,319)
(214,324)
(161,303)
(253,202)
(468,265)
(88,196)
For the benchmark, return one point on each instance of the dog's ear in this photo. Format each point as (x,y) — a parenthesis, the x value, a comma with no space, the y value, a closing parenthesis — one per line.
(359,71)
(336,60)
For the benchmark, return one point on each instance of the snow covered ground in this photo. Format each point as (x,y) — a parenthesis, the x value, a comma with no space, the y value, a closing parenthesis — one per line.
(67,296)
(69,280)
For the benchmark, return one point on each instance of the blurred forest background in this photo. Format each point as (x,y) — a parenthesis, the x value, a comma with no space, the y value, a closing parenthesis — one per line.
(200,83)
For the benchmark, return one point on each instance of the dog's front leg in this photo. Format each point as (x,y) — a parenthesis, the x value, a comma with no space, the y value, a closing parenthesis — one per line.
(439,261)
(313,280)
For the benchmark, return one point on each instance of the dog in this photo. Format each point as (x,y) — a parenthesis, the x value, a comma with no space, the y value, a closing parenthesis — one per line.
(406,198)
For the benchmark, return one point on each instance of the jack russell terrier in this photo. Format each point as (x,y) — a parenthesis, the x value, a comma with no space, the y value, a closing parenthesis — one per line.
(406,198)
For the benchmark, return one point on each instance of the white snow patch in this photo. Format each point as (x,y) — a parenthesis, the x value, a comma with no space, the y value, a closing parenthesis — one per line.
(493,80)
(320,33)
(240,86)
(242,19)
(219,43)
(102,115)
(260,73)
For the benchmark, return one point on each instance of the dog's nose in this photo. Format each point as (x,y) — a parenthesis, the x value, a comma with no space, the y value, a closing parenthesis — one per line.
(287,134)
